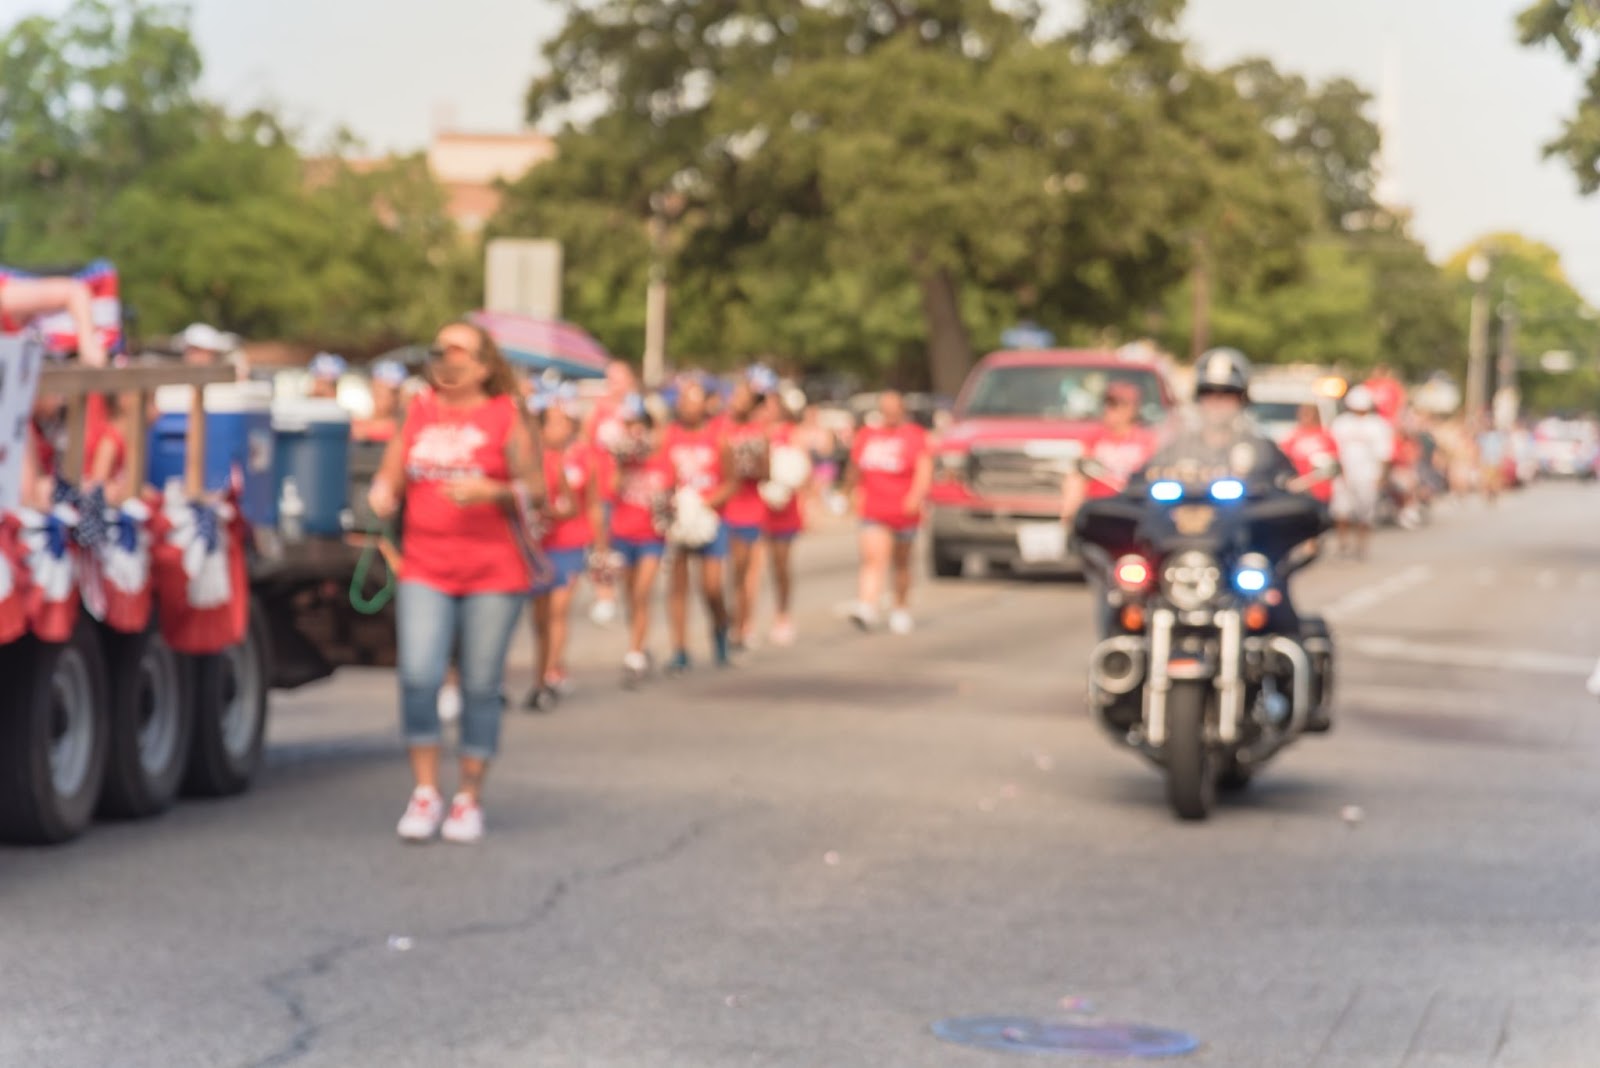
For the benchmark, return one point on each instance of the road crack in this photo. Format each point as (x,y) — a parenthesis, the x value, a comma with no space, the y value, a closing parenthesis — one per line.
(285,986)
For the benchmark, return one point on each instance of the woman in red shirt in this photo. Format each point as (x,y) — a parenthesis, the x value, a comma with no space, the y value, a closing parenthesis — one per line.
(459,465)
(698,450)
(745,513)
(575,525)
(783,525)
(639,480)
(891,468)
(1312,449)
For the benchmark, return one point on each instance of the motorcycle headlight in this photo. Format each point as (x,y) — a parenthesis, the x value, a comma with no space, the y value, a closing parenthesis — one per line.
(1191,580)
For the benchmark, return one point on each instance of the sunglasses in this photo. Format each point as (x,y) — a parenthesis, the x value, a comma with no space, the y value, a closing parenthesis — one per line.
(438,352)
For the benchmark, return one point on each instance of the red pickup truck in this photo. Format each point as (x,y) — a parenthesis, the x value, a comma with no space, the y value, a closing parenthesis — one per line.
(1019,425)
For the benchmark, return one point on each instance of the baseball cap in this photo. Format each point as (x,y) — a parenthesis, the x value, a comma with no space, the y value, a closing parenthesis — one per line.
(207,337)
(389,372)
(1126,392)
(326,365)
(761,379)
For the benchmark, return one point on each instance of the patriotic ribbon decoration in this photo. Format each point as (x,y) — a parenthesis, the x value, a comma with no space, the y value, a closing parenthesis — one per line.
(125,553)
(195,530)
(46,540)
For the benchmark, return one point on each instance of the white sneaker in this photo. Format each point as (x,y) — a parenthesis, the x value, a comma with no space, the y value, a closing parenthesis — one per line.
(604,612)
(423,815)
(465,825)
(449,704)
(900,622)
(1594,681)
(783,633)
(864,616)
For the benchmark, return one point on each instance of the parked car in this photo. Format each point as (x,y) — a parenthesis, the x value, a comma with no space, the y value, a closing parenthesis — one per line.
(1567,448)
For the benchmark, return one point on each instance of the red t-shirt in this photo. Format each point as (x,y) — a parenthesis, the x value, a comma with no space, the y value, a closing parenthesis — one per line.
(745,508)
(459,549)
(1388,397)
(788,519)
(98,428)
(605,424)
(1310,449)
(1122,455)
(577,463)
(886,461)
(632,491)
(696,456)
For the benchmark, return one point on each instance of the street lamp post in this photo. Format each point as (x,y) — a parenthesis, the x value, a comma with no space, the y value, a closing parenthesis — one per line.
(1505,394)
(655,311)
(1478,338)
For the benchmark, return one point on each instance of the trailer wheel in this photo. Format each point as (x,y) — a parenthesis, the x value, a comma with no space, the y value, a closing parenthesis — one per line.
(53,736)
(152,723)
(230,713)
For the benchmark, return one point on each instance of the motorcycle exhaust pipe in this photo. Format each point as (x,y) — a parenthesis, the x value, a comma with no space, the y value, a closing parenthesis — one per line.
(1117,666)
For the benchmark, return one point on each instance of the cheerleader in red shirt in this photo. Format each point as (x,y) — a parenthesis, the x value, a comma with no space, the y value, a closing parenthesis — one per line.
(639,480)
(784,522)
(745,514)
(891,468)
(575,526)
(700,458)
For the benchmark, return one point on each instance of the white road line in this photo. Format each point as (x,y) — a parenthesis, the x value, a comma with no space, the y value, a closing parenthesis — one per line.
(1530,661)
(1365,597)
(1420,698)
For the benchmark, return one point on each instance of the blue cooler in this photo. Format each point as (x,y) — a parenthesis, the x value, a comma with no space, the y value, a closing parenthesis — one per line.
(313,436)
(238,434)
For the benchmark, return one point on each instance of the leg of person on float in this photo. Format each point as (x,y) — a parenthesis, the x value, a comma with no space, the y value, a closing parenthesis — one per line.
(426,625)
(488,621)
(28,298)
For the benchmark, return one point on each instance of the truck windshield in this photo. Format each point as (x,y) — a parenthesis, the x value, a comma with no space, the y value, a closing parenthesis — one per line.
(1045,392)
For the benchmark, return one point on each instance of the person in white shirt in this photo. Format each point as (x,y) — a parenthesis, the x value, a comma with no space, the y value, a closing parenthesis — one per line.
(1366,450)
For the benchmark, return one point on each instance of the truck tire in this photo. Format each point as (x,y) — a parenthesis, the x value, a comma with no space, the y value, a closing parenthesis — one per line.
(1191,771)
(230,713)
(942,562)
(53,736)
(151,725)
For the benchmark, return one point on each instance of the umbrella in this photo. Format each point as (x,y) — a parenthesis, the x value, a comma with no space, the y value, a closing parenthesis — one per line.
(545,344)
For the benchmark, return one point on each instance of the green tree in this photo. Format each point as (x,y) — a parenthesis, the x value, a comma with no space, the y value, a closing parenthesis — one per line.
(1529,290)
(1573,28)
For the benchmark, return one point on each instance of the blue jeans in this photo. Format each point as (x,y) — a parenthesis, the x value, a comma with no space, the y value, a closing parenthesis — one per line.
(431,626)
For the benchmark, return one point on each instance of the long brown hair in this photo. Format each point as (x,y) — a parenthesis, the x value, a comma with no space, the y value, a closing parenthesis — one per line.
(502,380)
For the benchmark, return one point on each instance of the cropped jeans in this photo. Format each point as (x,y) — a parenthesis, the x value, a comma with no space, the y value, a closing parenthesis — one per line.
(478,627)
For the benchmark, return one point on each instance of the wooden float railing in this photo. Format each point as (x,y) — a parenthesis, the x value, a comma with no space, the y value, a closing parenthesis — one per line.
(74,383)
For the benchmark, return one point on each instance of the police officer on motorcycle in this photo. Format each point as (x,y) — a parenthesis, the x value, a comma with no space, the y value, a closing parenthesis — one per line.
(1219,439)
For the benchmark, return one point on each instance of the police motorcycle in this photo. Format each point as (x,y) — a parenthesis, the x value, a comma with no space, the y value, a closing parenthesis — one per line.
(1205,669)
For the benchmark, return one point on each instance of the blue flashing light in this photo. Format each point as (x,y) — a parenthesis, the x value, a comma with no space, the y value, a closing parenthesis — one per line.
(1250,580)
(1166,492)
(1229,489)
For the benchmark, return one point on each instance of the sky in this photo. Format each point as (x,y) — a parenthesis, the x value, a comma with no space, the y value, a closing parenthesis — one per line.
(1469,108)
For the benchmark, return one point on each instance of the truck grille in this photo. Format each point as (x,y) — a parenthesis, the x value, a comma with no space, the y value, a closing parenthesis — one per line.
(1011,472)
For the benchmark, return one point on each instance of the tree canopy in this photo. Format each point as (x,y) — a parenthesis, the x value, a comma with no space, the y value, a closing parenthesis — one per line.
(1572,27)
(108,149)
(888,184)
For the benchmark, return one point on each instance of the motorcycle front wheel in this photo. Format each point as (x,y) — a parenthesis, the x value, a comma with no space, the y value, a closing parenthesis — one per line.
(1191,771)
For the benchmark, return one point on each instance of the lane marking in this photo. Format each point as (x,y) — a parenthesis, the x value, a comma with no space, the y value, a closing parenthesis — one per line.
(1430,698)
(1529,661)
(1364,597)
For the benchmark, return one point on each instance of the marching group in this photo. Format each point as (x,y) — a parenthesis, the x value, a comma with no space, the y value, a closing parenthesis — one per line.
(504,490)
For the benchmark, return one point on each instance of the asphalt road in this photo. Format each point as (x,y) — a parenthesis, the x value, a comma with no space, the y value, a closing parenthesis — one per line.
(810,859)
